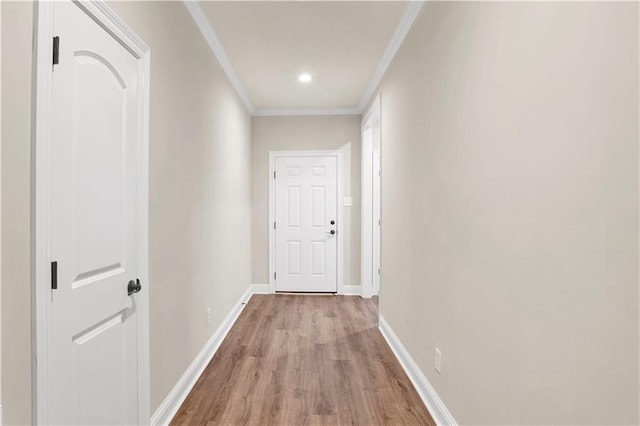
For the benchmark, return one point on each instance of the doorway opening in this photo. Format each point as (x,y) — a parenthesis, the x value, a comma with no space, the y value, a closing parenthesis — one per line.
(370,192)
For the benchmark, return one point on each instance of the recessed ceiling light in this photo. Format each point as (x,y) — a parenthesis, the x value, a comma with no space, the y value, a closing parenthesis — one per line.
(304,78)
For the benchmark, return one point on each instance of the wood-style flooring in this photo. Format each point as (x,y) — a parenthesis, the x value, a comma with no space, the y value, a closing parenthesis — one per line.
(297,360)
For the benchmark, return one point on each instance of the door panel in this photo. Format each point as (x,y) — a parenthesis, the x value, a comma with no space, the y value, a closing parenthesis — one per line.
(293,206)
(88,347)
(97,162)
(318,250)
(318,212)
(293,258)
(305,205)
(94,199)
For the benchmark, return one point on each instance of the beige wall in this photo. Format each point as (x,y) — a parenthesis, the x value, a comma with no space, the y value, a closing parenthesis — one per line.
(199,196)
(510,208)
(16,134)
(298,134)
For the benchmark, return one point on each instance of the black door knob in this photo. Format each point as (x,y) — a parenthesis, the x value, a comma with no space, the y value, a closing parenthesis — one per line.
(332,232)
(333,222)
(133,287)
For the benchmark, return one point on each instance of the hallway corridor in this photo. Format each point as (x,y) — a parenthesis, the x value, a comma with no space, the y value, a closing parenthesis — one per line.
(293,359)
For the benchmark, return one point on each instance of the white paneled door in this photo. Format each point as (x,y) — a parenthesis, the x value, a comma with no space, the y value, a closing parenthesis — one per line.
(94,239)
(306,223)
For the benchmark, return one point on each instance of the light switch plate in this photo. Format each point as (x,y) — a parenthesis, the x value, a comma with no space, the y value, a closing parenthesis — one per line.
(348,201)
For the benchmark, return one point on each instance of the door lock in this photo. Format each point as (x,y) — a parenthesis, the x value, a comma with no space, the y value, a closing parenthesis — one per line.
(332,232)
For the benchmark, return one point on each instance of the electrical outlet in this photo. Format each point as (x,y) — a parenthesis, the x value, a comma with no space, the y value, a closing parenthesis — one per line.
(208,316)
(438,360)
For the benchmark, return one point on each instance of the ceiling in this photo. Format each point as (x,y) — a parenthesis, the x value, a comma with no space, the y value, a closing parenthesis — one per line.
(265,45)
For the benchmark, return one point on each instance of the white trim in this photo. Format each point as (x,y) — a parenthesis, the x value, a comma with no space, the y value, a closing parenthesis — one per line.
(432,401)
(171,404)
(201,20)
(40,200)
(351,290)
(41,308)
(406,22)
(372,116)
(339,205)
(376,211)
(0,218)
(298,112)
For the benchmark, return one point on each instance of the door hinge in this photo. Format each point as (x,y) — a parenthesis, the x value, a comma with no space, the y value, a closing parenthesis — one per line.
(379,222)
(54,275)
(378,271)
(274,174)
(56,50)
(274,225)
(274,275)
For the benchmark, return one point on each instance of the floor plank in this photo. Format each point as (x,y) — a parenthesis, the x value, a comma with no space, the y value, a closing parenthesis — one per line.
(298,360)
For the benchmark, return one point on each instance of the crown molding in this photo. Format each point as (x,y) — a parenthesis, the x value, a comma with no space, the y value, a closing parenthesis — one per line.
(317,111)
(406,22)
(212,39)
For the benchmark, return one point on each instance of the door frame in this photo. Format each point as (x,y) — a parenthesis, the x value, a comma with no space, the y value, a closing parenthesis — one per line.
(373,115)
(377,209)
(42,101)
(339,206)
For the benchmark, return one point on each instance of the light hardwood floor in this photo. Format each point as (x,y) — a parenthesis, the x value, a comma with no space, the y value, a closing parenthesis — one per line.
(295,360)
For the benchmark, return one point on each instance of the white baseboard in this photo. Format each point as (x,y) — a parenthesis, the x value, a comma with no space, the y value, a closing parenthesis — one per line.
(351,290)
(169,407)
(260,289)
(347,290)
(432,401)
(0,414)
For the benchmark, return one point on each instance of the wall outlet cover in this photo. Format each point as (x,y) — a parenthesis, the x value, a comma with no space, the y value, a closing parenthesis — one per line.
(438,361)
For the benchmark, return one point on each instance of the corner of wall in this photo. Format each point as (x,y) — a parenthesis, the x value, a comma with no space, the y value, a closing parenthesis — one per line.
(351,290)
(428,394)
(260,289)
(171,404)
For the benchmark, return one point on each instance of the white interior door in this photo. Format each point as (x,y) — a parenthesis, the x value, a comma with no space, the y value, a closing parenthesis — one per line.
(94,364)
(306,224)
(376,222)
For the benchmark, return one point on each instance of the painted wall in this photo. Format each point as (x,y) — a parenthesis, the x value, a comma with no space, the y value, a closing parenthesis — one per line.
(510,208)
(300,133)
(200,243)
(15,245)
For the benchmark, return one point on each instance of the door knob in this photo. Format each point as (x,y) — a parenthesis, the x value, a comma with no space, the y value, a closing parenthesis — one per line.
(133,287)
(332,232)
(333,222)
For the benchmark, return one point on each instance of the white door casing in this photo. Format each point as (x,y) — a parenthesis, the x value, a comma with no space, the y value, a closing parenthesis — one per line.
(305,255)
(376,222)
(91,153)
(367,273)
